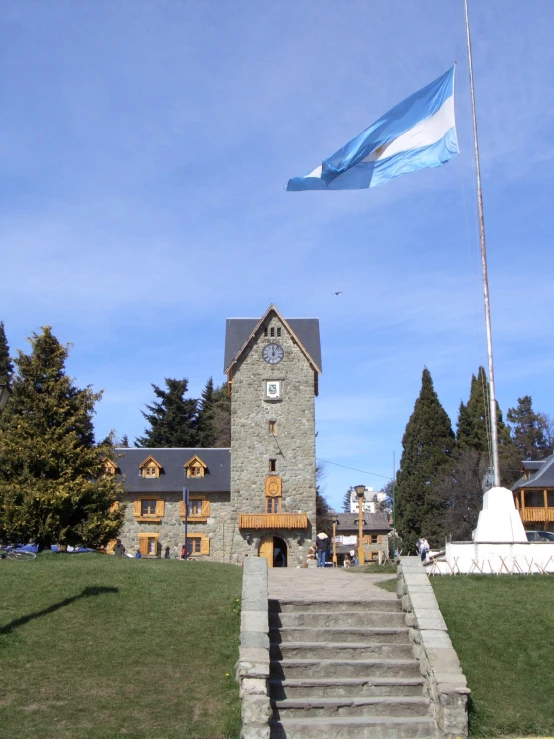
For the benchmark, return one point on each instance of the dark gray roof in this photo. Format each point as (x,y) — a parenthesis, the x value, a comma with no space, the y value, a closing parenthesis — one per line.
(529,464)
(543,477)
(372,522)
(217,476)
(239,329)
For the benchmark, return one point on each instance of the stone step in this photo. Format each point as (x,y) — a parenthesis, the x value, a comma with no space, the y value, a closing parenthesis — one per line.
(290,605)
(385,619)
(339,650)
(308,668)
(398,635)
(361,706)
(328,687)
(350,727)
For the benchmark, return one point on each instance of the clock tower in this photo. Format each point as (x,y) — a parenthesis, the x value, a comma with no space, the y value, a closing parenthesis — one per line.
(273,365)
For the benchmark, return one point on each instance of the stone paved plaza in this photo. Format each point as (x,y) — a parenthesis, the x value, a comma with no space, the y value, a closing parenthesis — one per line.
(326,584)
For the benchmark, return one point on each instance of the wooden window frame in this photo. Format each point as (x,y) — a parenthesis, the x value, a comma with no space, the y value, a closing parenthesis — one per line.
(143,538)
(156,517)
(195,467)
(272,505)
(150,465)
(204,545)
(203,517)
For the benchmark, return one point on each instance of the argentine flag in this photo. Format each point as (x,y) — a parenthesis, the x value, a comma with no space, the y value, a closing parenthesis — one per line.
(418,132)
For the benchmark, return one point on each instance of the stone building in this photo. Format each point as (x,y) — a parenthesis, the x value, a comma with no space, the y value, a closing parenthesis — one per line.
(259,497)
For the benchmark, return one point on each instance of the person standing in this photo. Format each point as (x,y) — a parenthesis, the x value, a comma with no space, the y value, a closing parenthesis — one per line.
(321,546)
(166,554)
(119,549)
(423,548)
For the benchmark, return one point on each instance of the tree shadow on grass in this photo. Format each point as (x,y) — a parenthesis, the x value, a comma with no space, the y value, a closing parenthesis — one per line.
(87,592)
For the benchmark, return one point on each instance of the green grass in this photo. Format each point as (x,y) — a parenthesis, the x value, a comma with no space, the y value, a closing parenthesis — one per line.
(100,647)
(503,631)
(389,585)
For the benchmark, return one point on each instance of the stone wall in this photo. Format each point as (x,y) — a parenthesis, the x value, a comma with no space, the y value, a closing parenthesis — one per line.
(445,683)
(253,664)
(293,446)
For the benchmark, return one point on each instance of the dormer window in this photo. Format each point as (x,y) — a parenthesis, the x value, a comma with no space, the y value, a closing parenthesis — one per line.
(110,468)
(272,331)
(150,468)
(195,467)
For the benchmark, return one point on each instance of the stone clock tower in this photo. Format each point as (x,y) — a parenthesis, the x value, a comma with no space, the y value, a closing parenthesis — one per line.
(273,365)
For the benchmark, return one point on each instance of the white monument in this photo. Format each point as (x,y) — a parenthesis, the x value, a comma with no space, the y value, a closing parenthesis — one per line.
(499,520)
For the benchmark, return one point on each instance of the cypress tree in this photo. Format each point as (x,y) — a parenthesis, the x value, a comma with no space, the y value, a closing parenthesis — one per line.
(529,430)
(6,365)
(427,444)
(52,483)
(346,501)
(172,419)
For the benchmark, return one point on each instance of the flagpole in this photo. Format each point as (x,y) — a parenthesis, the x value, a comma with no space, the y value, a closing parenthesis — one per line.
(494,425)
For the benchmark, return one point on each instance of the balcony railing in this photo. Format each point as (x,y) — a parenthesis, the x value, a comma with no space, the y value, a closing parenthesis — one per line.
(273,520)
(536,515)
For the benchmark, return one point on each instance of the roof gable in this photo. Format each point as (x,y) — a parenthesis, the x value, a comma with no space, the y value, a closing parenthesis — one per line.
(304,331)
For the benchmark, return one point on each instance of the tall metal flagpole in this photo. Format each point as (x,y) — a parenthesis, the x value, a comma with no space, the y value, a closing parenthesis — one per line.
(494,425)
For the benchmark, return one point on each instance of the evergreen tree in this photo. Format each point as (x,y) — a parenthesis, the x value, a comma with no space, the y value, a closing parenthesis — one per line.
(473,430)
(221,403)
(172,419)
(427,444)
(323,513)
(125,442)
(52,483)
(529,430)
(346,501)
(205,420)
(6,365)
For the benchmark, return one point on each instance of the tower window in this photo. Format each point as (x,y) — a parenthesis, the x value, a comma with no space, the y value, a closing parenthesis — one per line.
(279,332)
(272,505)
(273,427)
(272,331)
(273,465)
(265,330)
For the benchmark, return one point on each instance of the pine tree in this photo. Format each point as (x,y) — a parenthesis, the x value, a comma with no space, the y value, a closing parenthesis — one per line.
(125,442)
(205,420)
(173,419)
(6,365)
(427,443)
(53,488)
(346,500)
(221,417)
(529,430)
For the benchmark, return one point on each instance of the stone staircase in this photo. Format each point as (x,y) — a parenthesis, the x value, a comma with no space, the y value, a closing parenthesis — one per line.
(344,670)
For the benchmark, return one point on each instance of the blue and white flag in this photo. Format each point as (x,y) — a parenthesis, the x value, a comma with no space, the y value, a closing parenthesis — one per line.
(418,132)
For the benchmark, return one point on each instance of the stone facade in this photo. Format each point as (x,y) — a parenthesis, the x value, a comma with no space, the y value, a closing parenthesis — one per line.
(292,446)
(285,450)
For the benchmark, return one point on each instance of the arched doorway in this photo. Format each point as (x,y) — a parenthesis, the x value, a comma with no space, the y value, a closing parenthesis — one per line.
(274,549)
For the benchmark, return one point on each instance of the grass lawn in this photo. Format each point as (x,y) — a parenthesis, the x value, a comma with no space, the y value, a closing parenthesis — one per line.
(372,569)
(389,585)
(100,647)
(503,631)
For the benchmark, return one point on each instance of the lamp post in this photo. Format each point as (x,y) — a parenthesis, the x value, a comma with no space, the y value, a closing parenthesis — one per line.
(186,502)
(335,520)
(360,490)
(5,393)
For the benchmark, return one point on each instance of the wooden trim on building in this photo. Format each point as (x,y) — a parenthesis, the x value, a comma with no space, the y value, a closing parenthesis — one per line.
(273,520)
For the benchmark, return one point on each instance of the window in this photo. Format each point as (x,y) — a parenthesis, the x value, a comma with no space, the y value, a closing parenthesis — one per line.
(272,332)
(147,507)
(195,507)
(150,467)
(273,427)
(273,465)
(150,472)
(198,544)
(196,471)
(148,545)
(265,330)
(193,545)
(279,332)
(272,505)
(195,467)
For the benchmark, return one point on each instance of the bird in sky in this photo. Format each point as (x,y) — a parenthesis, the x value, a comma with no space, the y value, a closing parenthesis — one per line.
(338,293)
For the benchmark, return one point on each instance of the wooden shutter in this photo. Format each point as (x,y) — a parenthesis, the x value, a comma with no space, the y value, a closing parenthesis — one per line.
(136,508)
(160,508)
(379,539)
(114,506)
(143,545)
(204,545)
(182,509)
(205,508)
(111,545)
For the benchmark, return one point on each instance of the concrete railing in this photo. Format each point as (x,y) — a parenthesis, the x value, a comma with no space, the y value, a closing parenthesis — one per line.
(253,663)
(445,683)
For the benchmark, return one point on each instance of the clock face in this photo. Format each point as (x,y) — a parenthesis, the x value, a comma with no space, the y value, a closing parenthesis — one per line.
(273,353)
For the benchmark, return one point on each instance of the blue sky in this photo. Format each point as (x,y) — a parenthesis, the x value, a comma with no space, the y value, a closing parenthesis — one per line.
(144,149)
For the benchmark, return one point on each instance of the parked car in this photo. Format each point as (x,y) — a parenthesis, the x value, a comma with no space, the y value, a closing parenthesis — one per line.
(540,536)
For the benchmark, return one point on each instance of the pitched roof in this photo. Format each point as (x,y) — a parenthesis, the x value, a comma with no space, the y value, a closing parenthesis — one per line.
(217,476)
(542,478)
(372,522)
(239,331)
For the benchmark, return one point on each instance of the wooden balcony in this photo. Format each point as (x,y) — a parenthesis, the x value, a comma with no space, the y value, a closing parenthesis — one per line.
(273,520)
(536,515)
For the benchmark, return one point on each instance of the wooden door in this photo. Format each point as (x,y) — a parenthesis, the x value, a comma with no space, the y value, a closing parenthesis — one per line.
(266,549)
